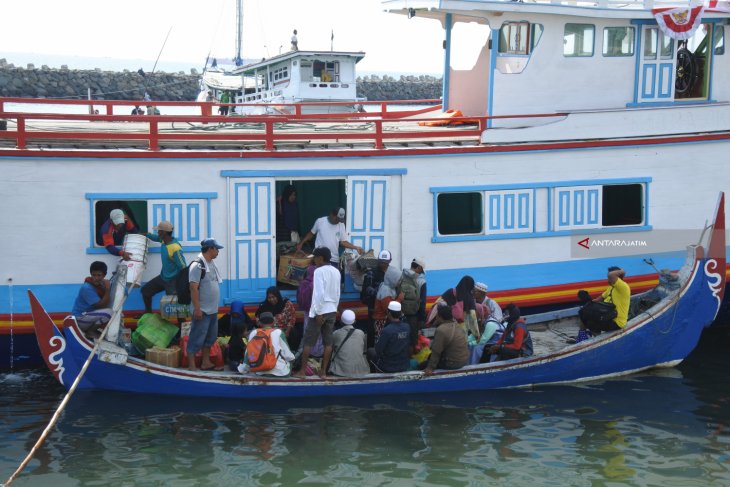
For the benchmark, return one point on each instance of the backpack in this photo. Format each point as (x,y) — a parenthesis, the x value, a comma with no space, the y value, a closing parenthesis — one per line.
(260,351)
(411,294)
(370,284)
(182,284)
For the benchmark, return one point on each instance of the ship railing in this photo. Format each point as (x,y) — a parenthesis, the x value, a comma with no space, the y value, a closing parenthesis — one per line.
(373,128)
(614,4)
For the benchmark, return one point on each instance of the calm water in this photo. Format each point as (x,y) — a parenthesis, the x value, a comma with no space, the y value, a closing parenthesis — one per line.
(663,429)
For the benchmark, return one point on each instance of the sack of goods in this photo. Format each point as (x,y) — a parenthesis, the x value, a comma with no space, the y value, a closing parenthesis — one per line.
(152,330)
(293,267)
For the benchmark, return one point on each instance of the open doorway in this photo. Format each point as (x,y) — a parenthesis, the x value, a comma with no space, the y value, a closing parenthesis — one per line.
(694,61)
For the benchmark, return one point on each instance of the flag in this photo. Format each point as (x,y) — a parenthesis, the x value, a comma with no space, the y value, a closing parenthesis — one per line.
(679,23)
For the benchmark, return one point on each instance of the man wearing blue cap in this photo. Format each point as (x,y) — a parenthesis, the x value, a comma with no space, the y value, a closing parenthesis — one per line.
(204,296)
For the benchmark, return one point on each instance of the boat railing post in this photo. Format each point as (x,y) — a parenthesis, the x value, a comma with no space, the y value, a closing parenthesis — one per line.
(383,108)
(379,134)
(109,108)
(297,109)
(269,134)
(154,136)
(20,141)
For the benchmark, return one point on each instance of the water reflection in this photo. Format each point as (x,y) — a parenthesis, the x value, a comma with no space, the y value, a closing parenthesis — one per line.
(667,428)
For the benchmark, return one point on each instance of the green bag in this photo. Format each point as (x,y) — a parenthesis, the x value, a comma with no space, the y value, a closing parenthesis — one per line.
(153,330)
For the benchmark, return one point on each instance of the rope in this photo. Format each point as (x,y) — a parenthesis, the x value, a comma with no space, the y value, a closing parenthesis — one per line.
(70,392)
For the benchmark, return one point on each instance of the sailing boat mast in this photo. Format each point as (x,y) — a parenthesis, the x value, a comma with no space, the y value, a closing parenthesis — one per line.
(239,32)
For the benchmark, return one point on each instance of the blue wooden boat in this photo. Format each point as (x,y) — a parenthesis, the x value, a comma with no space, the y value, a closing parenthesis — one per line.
(660,334)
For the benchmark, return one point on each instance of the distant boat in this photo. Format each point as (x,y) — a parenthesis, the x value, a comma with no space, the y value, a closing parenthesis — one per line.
(664,327)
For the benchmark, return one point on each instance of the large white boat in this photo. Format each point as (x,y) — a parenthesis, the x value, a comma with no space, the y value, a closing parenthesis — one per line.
(595,134)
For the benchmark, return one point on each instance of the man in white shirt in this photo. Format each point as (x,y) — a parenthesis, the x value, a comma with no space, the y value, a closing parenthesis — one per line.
(294,41)
(325,298)
(331,233)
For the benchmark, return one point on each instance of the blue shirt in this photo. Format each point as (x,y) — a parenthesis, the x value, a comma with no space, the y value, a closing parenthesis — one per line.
(172,257)
(393,347)
(85,300)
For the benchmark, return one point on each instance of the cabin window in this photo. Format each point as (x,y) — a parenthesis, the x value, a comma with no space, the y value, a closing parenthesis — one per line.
(460,213)
(514,38)
(618,41)
(578,40)
(279,74)
(718,39)
(623,204)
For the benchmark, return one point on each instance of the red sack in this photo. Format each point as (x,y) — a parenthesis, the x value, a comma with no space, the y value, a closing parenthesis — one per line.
(216,354)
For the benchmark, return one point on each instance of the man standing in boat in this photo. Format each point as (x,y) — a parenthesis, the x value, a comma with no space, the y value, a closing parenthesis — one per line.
(331,233)
(204,295)
(173,262)
(294,41)
(114,230)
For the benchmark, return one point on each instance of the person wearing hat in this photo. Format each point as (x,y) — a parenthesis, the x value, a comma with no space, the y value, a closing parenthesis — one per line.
(173,261)
(323,310)
(618,293)
(448,347)
(349,346)
(204,296)
(114,230)
(413,288)
(284,355)
(480,296)
(392,352)
(331,233)
(386,292)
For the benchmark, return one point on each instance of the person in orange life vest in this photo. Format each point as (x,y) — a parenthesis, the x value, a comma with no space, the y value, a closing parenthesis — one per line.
(515,341)
(114,230)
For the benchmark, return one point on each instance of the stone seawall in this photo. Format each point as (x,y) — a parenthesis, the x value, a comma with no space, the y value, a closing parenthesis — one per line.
(45,82)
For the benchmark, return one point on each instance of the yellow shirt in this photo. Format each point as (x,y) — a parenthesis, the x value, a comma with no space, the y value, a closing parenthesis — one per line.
(620,295)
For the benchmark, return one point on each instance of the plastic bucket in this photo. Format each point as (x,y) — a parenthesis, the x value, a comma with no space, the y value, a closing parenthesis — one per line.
(136,245)
(134,271)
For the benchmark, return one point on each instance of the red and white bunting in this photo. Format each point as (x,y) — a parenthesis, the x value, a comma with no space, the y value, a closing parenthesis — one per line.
(717,6)
(681,22)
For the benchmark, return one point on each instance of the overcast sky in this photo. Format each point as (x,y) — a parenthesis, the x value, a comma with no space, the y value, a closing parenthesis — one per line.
(136,29)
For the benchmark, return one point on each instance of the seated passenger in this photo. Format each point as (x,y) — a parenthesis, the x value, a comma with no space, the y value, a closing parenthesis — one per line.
(392,350)
(448,347)
(480,296)
(285,314)
(349,346)
(597,317)
(91,308)
(235,324)
(278,349)
(515,341)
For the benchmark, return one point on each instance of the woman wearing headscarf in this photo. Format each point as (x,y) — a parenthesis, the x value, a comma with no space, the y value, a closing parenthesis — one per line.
(386,293)
(463,306)
(287,221)
(237,325)
(285,314)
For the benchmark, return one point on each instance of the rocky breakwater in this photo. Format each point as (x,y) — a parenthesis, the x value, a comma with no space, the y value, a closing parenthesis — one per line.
(423,87)
(45,82)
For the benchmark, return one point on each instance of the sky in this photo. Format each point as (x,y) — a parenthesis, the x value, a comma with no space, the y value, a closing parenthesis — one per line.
(42,30)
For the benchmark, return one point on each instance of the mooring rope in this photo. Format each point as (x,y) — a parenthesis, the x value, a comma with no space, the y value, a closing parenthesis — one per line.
(70,392)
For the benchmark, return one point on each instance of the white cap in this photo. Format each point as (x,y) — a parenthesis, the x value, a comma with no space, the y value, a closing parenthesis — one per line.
(385,255)
(480,286)
(394,306)
(117,216)
(421,262)
(341,214)
(348,317)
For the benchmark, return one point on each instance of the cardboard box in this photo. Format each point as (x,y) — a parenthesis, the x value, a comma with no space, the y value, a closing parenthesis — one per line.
(164,356)
(293,267)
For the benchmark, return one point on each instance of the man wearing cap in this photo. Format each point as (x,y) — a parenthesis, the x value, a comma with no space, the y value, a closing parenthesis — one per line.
(618,292)
(413,288)
(284,355)
(173,262)
(114,230)
(325,299)
(480,296)
(331,233)
(349,346)
(204,297)
(392,350)
(448,347)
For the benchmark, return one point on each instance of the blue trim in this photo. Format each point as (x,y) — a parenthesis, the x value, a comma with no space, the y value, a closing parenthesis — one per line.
(266,230)
(364,191)
(523,201)
(579,207)
(557,233)
(377,238)
(494,211)
(193,223)
(372,206)
(492,70)
(149,196)
(693,101)
(563,208)
(545,184)
(665,91)
(551,220)
(313,172)
(236,192)
(646,71)
(592,211)
(159,213)
(176,218)
(509,211)
(448,25)
(637,68)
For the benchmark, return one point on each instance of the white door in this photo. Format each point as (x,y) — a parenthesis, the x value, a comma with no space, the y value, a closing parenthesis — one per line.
(252,237)
(656,66)
(368,211)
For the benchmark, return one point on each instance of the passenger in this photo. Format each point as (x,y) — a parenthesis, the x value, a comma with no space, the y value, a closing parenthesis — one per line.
(463,306)
(294,41)
(225,99)
(285,314)
(204,296)
(279,346)
(114,230)
(349,346)
(371,281)
(515,341)
(325,299)
(392,350)
(91,308)
(137,110)
(480,296)
(235,324)
(304,302)
(331,233)
(287,217)
(173,261)
(387,292)
(618,293)
(413,288)
(448,347)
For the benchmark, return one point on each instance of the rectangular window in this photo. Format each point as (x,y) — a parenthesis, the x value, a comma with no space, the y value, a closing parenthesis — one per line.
(618,41)
(514,38)
(718,37)
(578,40)
(623,204)
(650,43)
(460,213)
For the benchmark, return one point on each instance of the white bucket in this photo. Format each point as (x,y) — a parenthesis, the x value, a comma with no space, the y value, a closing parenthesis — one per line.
(136,245)
(134,271)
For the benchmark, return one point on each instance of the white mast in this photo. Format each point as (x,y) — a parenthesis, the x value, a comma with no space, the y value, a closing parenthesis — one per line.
(239,32)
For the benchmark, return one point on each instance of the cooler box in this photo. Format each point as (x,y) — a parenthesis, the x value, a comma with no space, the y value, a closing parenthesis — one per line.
(170,309)
(293,267)
(169,357)
(152,330)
